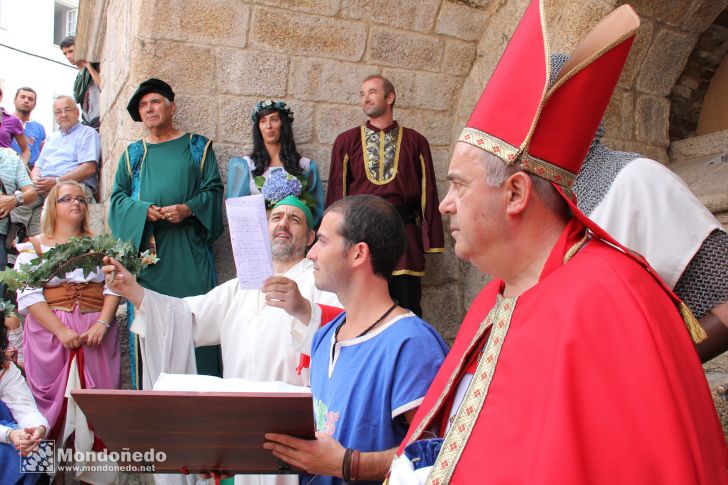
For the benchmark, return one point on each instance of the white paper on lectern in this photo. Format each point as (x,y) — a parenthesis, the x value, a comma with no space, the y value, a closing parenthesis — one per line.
(248,226)
(201,383)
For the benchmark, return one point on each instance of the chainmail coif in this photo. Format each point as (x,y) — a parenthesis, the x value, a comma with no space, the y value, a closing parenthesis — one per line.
(704,283)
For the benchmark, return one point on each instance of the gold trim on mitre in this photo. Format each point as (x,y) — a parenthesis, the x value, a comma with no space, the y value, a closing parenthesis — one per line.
(480,139)
(547,61)
(548,171)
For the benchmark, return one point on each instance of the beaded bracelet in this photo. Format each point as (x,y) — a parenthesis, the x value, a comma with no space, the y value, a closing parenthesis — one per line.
(7,435)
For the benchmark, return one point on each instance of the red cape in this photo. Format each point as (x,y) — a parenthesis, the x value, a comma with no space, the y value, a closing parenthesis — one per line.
(597,383)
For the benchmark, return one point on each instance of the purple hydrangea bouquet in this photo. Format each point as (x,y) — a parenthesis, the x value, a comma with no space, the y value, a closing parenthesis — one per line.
(279,185)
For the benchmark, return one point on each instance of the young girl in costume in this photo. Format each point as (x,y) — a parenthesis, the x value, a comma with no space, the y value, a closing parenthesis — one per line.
(70,337)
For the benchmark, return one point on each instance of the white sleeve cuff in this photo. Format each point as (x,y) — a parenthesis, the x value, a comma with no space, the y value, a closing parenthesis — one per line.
(28,298)
(407,407)
(139,325)
(3,431)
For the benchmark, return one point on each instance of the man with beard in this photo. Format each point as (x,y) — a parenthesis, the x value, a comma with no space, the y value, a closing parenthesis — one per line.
(372,365)
(383,158)
(261,332)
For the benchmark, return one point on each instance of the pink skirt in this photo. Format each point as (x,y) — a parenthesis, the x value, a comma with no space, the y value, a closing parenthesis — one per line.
(46,361)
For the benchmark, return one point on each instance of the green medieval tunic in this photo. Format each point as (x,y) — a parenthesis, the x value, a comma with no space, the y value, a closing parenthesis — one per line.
(168,174)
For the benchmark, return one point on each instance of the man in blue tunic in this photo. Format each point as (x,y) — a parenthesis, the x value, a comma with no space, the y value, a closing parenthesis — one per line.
(372,365)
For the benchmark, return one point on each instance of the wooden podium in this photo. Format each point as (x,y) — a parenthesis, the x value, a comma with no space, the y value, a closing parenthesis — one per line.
(198,431)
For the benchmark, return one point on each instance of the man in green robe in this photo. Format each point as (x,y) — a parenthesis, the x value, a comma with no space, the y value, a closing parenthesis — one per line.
(167,197)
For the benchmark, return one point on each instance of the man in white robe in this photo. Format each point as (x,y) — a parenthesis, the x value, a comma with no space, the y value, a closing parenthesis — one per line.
(262,333)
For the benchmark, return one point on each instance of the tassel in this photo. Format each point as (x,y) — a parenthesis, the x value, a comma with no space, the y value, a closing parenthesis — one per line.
(696,331)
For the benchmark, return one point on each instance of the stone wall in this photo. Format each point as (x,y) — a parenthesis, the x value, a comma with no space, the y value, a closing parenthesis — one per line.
(221,56)
(690,89)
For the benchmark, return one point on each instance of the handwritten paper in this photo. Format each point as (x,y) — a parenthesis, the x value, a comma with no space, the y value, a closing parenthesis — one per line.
(248,226)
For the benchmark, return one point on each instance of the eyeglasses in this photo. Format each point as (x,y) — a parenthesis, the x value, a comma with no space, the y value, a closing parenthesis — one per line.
(67,199)
(63,111)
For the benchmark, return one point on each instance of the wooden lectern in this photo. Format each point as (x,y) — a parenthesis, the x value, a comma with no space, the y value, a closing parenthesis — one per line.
(220,432)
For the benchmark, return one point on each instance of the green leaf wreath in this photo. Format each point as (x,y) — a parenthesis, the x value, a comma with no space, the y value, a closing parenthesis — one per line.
(6,307)
(79,252)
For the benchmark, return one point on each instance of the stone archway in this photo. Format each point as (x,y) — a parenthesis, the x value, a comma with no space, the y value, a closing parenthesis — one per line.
(696,146)
(688,93)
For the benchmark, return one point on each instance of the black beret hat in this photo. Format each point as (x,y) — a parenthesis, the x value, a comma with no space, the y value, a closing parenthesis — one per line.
(149,86)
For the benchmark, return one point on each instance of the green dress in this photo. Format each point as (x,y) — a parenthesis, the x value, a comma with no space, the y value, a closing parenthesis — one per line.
(169,175)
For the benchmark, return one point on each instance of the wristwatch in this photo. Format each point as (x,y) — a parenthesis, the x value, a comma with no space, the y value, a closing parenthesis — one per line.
(19,198)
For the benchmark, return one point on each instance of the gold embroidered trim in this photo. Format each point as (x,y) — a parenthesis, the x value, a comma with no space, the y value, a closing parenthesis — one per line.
(571,252)
(396,152)
(462,427)
(480,139)
(590,60)
(204,154)
(345,168)
(545,92)
(141,168)
(379,179)
(423,200)
(435,250)
(128,162)
(427,420)
(381,155)
(548,171)
(409,272)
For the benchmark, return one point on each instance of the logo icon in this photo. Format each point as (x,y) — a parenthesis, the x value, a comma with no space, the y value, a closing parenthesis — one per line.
(42,460)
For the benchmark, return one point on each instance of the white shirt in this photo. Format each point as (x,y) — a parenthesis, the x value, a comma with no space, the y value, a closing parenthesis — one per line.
(14,392)
(259,342)
(31,296)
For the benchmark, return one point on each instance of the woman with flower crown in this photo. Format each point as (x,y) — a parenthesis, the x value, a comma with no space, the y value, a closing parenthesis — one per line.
(275,168)
(71,340)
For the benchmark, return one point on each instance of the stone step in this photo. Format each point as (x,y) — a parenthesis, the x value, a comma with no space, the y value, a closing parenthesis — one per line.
(699,162)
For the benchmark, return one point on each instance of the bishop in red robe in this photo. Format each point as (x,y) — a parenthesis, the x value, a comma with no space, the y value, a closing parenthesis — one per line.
(574,365)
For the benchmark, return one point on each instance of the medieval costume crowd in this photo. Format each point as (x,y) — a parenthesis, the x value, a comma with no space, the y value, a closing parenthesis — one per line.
(578,363)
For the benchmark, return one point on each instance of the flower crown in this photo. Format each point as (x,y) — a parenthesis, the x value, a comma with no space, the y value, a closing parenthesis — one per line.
(269,104)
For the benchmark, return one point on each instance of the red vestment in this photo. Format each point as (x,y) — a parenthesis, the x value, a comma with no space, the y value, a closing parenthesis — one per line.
(596,382)
(408,183)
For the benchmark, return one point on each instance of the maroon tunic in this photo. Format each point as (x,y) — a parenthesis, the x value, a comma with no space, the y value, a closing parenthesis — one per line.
(397,166)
